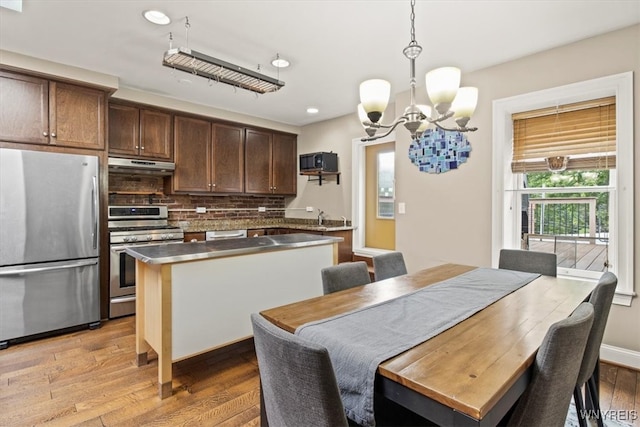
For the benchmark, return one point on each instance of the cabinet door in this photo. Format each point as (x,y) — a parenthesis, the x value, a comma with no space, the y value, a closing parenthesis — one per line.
(228,158)
(345,248)
(124,130)
(76,116)
(24,108)
(257,177)
(155,135)
(192,138)
(284,153)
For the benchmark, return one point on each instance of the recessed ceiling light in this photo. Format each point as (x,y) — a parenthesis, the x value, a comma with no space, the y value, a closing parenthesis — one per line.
(312,110)
(280,62)
(156,17)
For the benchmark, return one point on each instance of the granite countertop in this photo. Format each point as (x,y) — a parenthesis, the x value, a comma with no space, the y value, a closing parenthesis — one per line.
(201,225)
(193,251)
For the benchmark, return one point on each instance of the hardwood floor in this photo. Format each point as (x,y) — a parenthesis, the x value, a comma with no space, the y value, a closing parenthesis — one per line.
(90,378)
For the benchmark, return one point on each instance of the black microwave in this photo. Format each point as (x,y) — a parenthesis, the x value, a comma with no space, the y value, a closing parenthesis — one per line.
(322,161)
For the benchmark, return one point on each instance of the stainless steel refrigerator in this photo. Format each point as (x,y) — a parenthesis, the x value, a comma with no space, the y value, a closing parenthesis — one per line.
(49,270)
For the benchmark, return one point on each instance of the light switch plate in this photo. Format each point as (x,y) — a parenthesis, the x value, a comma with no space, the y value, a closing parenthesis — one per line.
(402,208)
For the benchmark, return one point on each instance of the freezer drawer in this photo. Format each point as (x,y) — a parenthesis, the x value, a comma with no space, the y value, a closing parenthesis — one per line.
(46,297)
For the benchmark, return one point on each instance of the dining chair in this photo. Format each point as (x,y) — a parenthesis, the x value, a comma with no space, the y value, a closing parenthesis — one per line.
(546,400)
(388,265)
(344,276)
(298,384)
(601,299)
(544,263)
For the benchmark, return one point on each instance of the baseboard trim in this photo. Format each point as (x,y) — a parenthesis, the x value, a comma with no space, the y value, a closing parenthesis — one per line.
(620,356)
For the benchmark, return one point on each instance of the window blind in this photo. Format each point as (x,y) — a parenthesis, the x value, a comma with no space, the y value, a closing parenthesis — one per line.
(583,131)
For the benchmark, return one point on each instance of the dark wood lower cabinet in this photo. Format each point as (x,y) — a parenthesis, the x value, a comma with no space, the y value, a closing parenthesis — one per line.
(345,248)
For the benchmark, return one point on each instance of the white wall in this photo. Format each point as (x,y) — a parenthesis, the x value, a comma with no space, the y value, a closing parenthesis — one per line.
(448,216)
(335,200)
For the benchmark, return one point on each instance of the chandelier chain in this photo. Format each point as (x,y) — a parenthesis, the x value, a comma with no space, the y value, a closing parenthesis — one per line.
(413,17)
(187,25)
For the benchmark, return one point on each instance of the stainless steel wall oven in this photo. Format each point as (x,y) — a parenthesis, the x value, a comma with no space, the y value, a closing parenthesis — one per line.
(133,226)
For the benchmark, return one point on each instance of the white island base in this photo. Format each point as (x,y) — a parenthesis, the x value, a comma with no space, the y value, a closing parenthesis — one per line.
(190,307)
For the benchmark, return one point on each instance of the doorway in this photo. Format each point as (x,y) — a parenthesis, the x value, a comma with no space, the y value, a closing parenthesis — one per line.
(380,225)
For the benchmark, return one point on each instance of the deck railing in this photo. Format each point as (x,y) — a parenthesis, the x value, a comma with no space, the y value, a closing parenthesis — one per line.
(566,216)
(568,227)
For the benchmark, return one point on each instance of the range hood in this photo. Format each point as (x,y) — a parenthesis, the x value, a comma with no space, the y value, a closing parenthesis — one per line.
(137,166)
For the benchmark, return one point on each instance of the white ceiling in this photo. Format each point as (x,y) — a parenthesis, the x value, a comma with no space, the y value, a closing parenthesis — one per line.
(333,45)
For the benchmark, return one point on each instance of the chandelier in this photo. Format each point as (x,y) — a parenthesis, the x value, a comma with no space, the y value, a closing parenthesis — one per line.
(443,87)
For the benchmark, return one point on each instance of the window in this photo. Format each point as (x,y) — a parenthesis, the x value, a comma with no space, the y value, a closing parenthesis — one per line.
(386,179)
(606,194)
(566,211)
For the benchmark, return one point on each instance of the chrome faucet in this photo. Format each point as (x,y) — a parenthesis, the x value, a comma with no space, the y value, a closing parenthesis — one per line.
(344,221)
(320,216)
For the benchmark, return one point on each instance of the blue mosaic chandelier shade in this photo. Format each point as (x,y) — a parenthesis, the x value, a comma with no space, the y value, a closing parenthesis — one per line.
(437,150)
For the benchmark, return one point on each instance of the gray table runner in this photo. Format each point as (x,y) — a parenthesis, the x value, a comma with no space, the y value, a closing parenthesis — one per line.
(360,340)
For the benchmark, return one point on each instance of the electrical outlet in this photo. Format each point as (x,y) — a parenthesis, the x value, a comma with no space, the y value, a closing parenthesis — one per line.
(262,209)
(309,208)
(201,209)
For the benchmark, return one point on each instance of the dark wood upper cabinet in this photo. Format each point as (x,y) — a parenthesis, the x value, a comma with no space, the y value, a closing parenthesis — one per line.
(24,108)
(39,111)
(192,141)
(228,158)
(76,115)
(257,177)
(140,132)
(270,163)
(284,158)
(124,130)
(209,156)
(155,135)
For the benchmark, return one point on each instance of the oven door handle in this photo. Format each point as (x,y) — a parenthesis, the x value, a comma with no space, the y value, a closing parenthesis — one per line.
(118,249)
(121,300)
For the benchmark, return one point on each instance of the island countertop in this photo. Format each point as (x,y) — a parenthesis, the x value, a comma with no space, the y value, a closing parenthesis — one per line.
(192,251)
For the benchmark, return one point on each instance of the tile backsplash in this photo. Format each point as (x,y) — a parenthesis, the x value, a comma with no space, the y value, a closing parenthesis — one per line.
(144,190)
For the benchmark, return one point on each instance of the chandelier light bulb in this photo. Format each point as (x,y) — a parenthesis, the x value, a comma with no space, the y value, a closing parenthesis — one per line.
(442,85)
(374,96)
(465,102)
(424,125)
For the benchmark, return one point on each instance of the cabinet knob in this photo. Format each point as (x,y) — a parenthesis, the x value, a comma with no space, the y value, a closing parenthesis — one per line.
(214,185)
(45,133)
(137,147)
(53,134)
(142,148)
(209,185)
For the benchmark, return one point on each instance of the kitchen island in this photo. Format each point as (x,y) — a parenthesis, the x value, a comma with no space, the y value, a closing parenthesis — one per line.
(194,297)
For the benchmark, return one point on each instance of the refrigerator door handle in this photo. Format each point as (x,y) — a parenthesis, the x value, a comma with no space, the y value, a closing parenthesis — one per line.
(94,212)
(15,271)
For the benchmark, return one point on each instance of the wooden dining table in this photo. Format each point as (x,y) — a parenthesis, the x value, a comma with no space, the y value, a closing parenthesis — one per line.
(475,371)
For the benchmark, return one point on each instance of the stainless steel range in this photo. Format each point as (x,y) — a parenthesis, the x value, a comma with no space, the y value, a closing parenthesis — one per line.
(133,226)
